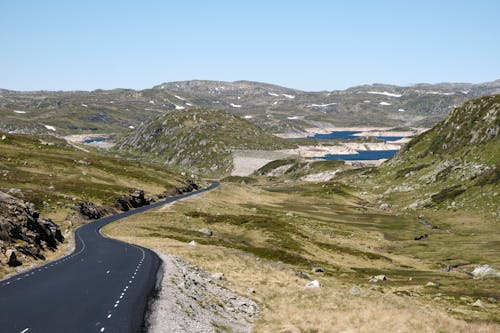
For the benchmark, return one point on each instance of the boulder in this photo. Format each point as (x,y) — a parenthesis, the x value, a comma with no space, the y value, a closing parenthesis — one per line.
(478,304)
(189,186)
(135,199)
(484,272)
(218,276)
(385,206)
(206,231)
(377,278)
(432,284)
(90,210)
(318,270)
(312,284)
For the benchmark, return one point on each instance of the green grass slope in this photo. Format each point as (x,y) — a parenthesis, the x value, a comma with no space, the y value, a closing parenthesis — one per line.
(454,165)
(55,176)
(199,140)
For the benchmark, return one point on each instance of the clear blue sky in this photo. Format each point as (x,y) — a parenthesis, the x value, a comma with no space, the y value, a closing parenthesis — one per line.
(310,45)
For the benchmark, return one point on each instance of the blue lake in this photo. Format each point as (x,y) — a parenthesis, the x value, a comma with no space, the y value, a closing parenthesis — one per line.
(349,135)
(363,155)
(90,140)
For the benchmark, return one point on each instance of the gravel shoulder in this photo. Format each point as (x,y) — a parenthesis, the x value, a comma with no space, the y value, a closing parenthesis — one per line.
(192,301)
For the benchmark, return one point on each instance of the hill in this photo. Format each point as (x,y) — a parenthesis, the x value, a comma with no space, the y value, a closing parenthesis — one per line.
(199,140)
(455,165)
(274,108)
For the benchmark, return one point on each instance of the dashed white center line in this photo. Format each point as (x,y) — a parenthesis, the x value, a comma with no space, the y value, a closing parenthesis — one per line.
(102,329)
(109,316)
(25,330)
(107,272)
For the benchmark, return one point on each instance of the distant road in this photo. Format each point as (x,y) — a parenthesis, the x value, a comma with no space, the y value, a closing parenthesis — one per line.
(103,286)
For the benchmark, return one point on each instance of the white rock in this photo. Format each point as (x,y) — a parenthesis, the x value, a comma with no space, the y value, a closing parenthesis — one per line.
(485,271)
(478,304)
(377,278)
(218,276)
(4,137)
(193,243)
(312,284)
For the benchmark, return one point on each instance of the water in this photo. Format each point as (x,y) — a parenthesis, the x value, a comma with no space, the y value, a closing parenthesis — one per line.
(349,135)
(90,140)
(345,135)
(363,155)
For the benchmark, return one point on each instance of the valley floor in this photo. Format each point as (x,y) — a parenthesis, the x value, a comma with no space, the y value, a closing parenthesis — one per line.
(272,239)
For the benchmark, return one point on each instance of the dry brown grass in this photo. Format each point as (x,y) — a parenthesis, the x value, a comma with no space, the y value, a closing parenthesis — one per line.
(286,305)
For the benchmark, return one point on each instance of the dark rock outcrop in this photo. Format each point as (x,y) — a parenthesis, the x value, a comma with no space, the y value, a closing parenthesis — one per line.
(133,200)
(90,210)
(23,232)
(189,186)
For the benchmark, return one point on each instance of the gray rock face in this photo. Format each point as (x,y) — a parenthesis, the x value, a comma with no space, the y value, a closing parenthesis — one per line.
(23,232)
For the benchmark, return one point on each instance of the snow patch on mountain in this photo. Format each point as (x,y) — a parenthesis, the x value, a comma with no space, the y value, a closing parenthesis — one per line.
(320,105)
(440,93)
(385,93)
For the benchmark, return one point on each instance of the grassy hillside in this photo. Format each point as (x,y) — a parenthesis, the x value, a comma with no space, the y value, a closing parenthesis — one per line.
(200,140)
(55,176)
(456,165)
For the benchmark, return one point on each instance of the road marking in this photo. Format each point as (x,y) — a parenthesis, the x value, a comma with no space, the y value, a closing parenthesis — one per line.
(107,272)
(102,329)
(109,316)
(25,330)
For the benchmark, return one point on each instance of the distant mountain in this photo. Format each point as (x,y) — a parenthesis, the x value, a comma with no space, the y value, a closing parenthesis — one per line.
(271,107)
(456,164)
(199,140)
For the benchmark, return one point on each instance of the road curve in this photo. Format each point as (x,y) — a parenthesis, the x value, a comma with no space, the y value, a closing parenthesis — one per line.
(103,286)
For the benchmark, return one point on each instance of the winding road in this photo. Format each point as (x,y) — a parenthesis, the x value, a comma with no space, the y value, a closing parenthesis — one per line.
(103,286)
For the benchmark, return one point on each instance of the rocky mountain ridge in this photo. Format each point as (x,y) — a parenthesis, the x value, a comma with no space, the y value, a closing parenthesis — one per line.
(274,108)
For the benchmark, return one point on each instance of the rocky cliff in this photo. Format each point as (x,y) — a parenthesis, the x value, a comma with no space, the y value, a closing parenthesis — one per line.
(23,232)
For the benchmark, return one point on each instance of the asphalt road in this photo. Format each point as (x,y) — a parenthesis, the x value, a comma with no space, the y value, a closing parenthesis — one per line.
(103,286)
